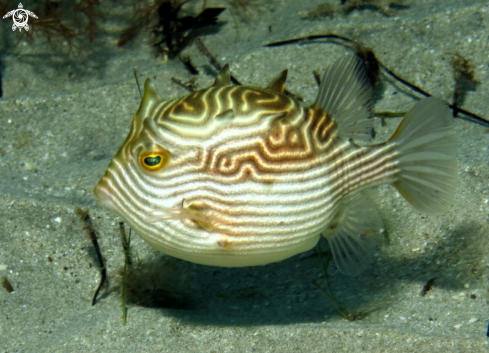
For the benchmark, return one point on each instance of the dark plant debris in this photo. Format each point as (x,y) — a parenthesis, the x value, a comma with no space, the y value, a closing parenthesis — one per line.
(6,284)
(88,8)
(463,75)
(65,23)
(172,32)
(85,217)
(189,85)
(327,10)
(427,287)
(374,66)
(189,65)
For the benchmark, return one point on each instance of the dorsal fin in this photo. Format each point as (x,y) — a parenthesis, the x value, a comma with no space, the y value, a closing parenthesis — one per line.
(223,78)
(278,83)
(346,95)
(150,99)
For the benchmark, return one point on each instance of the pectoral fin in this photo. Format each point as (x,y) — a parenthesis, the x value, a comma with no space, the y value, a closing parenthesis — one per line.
(196,212)
(199,213)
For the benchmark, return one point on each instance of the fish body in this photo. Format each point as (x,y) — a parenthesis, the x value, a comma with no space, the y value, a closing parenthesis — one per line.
(241,176)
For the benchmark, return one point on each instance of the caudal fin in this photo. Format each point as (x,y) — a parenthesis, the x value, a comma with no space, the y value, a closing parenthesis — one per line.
(427,161)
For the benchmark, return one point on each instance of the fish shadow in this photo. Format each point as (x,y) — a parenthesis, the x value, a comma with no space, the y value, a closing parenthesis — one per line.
(285,293)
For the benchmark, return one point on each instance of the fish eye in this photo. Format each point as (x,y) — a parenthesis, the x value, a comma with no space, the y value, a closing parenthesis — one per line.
(153,160)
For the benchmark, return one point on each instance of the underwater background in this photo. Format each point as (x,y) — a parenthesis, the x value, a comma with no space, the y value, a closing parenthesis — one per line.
(68,98)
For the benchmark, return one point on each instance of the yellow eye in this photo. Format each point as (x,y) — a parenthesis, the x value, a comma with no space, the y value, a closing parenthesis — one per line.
(153,160)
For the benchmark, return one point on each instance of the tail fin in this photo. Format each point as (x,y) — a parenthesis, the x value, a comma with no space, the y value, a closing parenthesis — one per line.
(427,161)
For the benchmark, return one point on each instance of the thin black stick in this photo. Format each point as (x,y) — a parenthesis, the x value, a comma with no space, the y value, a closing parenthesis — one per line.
(354,45)
(456,110)
(328,291)
(212,59)
(93,237)
(135,71)
(126,246)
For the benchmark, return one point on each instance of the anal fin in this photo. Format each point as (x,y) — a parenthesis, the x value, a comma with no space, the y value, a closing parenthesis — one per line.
(354,234)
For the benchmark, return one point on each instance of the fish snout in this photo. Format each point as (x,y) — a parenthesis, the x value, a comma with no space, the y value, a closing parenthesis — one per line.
(104,194)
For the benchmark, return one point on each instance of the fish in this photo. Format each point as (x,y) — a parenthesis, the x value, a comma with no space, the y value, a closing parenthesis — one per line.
(236,176)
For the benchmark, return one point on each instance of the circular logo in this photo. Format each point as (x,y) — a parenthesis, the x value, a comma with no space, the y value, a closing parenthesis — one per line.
(20,17)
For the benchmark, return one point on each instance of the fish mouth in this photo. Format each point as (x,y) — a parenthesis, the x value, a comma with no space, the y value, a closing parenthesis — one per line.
(104,195)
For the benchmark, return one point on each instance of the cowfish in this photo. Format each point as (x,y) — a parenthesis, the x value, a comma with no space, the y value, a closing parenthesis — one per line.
(236,175)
